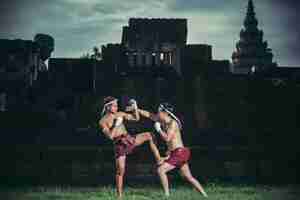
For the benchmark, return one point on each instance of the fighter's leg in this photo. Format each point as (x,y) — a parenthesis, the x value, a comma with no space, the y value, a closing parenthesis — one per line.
(185,172)
(162,172)
(120,171)
(141,138)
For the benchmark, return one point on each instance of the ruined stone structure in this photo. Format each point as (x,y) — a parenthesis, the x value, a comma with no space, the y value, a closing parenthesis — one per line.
(22,65)
(157,45)
(252,52)
(237,109)
(197,59)
(155,42)
(76,74)
(151,49)
(114,57)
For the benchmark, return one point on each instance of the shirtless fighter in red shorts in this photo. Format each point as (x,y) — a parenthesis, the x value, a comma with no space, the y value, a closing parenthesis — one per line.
(169,128)
(112,126)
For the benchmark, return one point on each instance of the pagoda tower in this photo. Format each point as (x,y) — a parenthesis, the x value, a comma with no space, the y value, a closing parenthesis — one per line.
(252,53)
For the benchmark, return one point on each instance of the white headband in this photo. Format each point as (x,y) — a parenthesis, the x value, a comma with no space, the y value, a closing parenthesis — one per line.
(162,107)
(107,104)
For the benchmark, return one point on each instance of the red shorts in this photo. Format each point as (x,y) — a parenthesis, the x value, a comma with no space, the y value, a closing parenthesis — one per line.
(124,145)
(179,157)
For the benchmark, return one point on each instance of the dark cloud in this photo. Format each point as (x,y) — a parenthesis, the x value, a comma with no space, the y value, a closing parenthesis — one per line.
(197,5)
(104,8)
(9,14)
(287,16)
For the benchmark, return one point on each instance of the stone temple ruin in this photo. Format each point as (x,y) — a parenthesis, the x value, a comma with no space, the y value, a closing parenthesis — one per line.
(154,42)
(252,52)
(234,105)
(149,47)
(22,67)
(149,44)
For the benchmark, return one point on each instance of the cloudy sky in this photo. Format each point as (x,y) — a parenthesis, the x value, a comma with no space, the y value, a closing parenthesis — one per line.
(78,25)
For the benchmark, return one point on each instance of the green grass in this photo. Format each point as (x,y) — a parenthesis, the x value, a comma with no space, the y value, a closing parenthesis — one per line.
(183,192)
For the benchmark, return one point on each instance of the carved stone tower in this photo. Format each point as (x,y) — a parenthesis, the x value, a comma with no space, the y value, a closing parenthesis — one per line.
(154,42)
(252,53)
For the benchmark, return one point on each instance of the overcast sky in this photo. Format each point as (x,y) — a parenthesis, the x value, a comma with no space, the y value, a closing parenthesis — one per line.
(78,25)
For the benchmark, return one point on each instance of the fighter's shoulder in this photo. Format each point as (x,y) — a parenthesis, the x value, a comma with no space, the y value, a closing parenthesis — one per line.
(101,121)
(105,119)
(120,114)
(174,124)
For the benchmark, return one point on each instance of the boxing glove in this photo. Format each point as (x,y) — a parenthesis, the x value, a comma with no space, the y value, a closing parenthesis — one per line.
(157,127)
(118,121)
(133,103)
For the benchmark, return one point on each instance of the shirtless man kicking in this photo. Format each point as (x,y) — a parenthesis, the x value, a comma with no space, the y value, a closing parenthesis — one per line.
(169,128)
(112,126)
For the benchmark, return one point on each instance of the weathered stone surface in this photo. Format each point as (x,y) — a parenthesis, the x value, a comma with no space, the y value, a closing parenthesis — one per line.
(252,53)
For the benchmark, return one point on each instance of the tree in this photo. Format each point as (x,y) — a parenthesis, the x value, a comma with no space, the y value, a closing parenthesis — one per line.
(95,55)
(85,56)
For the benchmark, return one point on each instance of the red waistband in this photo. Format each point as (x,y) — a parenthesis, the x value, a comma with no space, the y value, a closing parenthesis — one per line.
(179,149)
(119,137)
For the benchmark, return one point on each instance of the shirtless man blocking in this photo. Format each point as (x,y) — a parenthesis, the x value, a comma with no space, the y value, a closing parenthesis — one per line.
(112,126)
(169,128)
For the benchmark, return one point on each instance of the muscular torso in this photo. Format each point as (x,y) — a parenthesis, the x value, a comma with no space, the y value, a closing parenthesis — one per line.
(176,141)
(109,120)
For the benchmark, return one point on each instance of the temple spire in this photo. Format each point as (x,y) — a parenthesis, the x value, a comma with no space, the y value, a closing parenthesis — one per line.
(250,20)
(251,50)
(250,7)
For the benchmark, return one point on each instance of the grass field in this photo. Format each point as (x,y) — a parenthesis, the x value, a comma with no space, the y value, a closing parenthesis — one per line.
(180,192)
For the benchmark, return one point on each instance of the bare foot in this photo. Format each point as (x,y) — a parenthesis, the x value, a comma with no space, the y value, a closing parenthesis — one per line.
(204,194)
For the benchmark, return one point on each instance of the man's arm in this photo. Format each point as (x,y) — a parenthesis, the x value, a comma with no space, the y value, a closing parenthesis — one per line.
(130,116)
(110,132)
(147,114)
(170,134)
(135,116)
(106,130)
